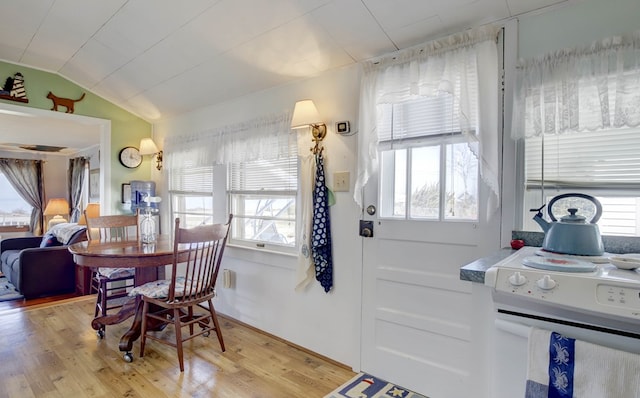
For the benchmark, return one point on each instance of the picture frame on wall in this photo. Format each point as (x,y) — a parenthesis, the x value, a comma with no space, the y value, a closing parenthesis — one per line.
(94,185)
(125,193)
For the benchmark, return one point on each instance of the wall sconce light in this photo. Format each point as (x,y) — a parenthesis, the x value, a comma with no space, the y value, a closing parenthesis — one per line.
(56,207)
(306,114)
(148,147)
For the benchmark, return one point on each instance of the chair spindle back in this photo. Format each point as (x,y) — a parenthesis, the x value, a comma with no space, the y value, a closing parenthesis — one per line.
(113,228)
(197,258)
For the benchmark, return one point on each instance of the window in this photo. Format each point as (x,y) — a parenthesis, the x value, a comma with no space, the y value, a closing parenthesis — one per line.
(192,195)
(604,164)
(427,170)
(578,113)
(262,196)
(13,209)
(249,169)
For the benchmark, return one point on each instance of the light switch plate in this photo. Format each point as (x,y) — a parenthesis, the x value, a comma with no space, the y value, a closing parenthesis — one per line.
(341,181)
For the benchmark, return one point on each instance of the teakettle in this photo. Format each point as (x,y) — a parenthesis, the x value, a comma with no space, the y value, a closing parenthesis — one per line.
(572,234)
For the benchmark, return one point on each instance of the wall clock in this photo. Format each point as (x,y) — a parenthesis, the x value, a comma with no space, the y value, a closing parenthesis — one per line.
(130,157)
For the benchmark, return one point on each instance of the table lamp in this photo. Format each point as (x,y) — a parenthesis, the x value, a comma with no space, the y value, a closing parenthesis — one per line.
(92,210)
(56,207)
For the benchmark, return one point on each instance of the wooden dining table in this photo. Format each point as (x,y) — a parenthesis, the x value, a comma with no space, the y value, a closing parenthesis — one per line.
(148,260)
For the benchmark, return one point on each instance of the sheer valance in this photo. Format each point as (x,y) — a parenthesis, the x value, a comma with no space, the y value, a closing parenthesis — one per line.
(452,65)
(579,90)
(264,138)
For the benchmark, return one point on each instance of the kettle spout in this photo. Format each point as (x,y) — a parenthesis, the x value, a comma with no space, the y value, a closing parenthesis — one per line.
(544,224)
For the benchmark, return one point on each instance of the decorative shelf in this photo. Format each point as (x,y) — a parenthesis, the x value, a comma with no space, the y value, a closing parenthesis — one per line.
(11,98)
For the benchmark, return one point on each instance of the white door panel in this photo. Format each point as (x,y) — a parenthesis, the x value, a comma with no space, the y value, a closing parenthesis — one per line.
(416,328)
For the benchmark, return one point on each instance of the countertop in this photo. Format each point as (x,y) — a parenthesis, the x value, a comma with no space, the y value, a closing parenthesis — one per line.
(474,271)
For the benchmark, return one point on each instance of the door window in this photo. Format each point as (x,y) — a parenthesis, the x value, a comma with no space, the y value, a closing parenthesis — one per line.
(427,169)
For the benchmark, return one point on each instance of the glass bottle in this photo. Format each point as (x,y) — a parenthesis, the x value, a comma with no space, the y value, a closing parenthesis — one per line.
(147,226)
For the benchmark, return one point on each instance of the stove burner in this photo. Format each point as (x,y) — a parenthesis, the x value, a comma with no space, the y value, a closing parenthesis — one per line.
(558,264)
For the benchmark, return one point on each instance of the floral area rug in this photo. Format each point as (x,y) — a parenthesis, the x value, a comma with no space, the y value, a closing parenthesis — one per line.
(366,386)
(8,291)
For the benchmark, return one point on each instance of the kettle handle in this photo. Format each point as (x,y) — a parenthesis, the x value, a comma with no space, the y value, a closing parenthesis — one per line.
(590,198)
(538,210)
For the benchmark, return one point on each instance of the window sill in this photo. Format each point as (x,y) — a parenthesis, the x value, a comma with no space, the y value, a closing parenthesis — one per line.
(263,256)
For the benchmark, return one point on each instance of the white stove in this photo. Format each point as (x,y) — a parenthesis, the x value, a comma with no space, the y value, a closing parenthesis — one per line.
(599,304)
(605,298)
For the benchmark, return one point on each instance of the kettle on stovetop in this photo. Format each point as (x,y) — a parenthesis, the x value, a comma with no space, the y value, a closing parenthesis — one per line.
(572,234)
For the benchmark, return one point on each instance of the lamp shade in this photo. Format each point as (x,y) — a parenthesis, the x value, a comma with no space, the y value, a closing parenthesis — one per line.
(305,113)
(57,207)
(148,147)
(92,210)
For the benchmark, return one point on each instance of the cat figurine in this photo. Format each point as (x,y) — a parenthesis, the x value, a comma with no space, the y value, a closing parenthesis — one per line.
(66,102)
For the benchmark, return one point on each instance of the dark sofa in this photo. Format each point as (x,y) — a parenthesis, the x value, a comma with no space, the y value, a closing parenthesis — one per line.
(42,271)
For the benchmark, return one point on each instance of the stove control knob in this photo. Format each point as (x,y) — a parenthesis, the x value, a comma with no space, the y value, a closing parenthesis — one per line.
(546,283)
(517,279)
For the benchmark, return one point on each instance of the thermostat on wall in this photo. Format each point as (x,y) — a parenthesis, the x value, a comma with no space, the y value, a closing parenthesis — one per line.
(343,128)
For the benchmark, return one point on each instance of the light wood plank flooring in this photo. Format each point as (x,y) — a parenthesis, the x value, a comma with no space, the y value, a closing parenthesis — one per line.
(50,350)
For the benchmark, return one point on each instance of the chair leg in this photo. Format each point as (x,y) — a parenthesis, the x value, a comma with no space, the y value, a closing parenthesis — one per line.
(103,296)
(178,330)
(190,312)
(95,313)
(214,318)
(143,332)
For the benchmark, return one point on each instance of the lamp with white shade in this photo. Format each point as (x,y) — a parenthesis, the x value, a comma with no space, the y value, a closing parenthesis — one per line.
(148,147)
(56,207)
(305,114)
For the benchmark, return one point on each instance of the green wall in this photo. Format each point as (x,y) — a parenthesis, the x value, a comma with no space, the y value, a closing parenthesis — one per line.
(126,128)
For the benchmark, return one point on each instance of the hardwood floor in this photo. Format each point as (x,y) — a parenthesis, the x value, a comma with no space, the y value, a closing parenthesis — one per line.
(48,349)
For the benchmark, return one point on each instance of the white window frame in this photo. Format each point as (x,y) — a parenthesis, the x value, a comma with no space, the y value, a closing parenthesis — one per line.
(243,220)
(385,194)
(17,223)
(419,123)
(606,184)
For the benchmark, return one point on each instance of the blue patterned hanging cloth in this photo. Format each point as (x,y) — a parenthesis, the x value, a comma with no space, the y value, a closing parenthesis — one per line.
(321,235)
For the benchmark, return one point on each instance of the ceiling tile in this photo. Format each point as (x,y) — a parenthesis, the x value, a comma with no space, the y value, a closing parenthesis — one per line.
(141,24)
(282,50)
(394,15)
(20,21)
(352,27)
(62,33)
(521,6)
(92,63)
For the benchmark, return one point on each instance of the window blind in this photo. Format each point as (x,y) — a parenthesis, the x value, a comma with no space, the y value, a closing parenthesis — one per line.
(407,124)
(607,159)
(277,175)
(192,179)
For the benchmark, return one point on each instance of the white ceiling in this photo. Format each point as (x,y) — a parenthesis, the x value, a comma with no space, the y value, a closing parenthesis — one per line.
(37,127)
(161,58)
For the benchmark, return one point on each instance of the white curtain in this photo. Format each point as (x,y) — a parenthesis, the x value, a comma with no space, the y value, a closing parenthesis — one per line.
(579,90)
(264,138)
(449,64)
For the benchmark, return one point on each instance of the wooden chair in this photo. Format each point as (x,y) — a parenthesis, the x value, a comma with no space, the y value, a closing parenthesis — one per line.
(111,284)
(192,283)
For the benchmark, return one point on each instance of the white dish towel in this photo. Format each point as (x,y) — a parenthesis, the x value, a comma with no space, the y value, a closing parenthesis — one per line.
(567,368)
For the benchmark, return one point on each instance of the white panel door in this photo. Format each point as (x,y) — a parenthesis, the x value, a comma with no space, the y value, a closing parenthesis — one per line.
(416,326)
